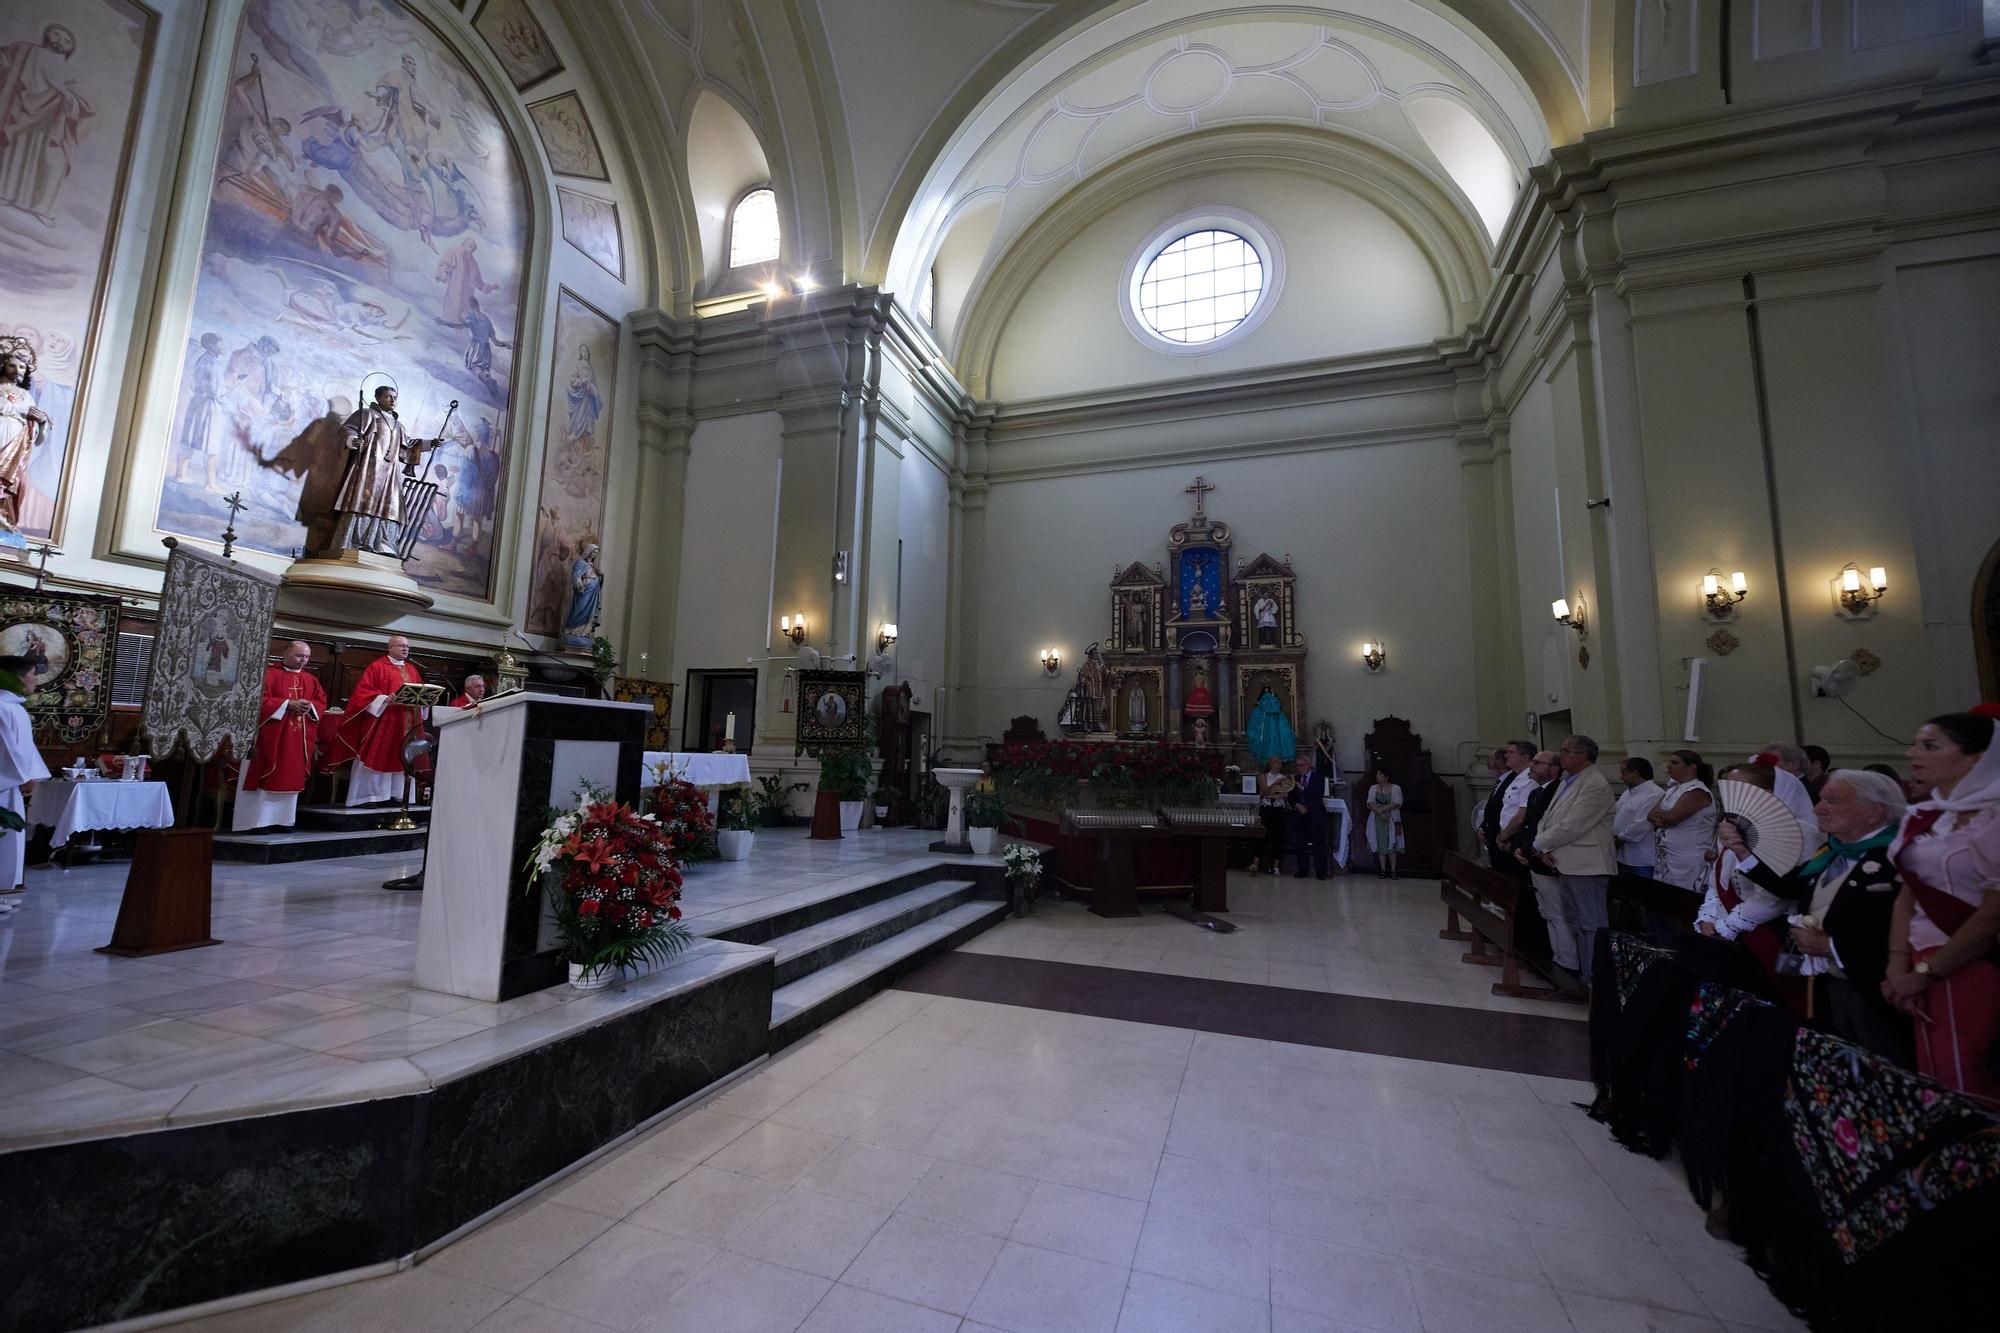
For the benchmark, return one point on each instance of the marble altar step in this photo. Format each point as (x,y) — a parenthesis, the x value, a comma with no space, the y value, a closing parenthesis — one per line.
(354,819)
(805,951)
(285,845)
(825,994)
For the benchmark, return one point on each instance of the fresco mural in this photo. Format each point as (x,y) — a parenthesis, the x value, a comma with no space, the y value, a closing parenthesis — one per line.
(591,225)
(576,459)
(568,138)
(367,214)
(70,75)
(516,36)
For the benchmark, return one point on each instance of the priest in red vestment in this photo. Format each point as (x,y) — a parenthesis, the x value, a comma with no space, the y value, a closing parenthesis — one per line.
(269,782)
(375,730)
(475,690)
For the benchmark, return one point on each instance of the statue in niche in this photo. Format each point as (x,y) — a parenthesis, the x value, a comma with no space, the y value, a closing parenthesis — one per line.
(1269,730)
(368,511)
(1201,731)
(1200,703)
(1135,710)
(1264,611)
(586,584)
(1137,635)
(1092,679)
(22,425)
(1197,601)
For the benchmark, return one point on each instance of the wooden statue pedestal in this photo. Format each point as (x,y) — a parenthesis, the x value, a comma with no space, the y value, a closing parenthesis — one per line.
(165,907)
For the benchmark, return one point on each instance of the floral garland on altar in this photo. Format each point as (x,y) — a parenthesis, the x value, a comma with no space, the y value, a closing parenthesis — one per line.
(618,884)
(1048,773)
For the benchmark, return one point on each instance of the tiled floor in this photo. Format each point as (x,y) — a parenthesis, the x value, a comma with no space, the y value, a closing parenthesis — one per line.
(937,1163)
(310,998)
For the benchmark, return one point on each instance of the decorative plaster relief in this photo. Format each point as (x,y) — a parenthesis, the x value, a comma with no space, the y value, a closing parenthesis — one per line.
(1783,28)
(1664,34)
(1887,22)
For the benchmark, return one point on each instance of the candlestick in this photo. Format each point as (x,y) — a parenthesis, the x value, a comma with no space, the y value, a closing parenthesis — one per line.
(729,728)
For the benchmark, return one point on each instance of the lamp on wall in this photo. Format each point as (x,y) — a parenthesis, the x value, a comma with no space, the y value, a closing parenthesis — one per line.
(1854,598)
(1718,601)
(885,636)
(1575,619)
(1051,661)
(1373,655)
(793,627)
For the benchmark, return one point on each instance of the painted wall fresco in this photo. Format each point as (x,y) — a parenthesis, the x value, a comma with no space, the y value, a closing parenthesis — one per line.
(70,75)
(591,225)
(517,38)
(576,458)
(367,214)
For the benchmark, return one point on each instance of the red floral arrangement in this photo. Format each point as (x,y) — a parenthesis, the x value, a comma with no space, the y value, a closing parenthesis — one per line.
(1045,772)
(682,808)
(617,896)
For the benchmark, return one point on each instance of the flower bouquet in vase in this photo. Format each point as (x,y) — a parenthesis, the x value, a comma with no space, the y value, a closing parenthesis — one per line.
(1024,873)
(615,885)
(683,811)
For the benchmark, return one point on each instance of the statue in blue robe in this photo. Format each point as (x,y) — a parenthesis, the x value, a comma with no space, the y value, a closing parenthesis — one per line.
(1270,730)
(585,584)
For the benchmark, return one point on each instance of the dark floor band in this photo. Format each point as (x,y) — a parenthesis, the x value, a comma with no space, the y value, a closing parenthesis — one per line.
(1518,1043)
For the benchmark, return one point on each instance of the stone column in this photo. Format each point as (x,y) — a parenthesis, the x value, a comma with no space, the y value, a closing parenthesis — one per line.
(666,429)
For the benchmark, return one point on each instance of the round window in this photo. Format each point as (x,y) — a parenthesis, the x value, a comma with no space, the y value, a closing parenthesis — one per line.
(1202,281)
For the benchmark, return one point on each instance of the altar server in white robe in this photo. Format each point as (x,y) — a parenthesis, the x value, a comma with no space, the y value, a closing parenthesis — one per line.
(21,767)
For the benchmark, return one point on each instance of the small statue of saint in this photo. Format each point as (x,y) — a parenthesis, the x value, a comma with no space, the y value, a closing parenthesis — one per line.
(22,425)
(1199,702)
(1136,637)
(369,508)
(586,582)
(1265,611)
(1135,710)
(1197,601)
(1092,679)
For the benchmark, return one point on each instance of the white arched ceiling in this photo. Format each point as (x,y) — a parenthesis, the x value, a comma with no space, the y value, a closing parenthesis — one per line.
(1168,68)
(724,158)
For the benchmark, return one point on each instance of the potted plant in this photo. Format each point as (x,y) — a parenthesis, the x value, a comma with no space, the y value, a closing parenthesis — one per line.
(773,798)
(984,813)
(885,795)
(739,818)
(1024,875)
(845,774)
(615,886)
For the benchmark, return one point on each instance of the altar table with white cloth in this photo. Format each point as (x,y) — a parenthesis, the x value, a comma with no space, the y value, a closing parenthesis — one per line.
(703,770)
(81,807)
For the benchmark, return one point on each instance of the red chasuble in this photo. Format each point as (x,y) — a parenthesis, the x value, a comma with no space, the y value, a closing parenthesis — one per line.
(282,759)
(462,701)
(378,741)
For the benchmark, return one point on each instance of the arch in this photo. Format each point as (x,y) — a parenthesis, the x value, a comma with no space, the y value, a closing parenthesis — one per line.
(725,162)
(753,239)
(1440,229)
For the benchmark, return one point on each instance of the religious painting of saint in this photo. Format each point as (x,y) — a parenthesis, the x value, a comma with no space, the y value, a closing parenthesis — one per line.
(591,225)
(575,456)
(42,644)
(517,39)
(76,639)
(833,710)
(213,662)
(71,75)
(568,138)
(205,679)
(368,213)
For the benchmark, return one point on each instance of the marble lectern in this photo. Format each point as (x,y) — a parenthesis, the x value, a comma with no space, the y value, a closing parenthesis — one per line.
(500,768)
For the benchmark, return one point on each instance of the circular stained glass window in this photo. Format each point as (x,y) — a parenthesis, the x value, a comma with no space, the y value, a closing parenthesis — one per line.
(1200,286)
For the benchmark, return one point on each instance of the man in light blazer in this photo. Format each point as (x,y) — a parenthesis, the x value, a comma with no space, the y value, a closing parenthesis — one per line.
(1575,837)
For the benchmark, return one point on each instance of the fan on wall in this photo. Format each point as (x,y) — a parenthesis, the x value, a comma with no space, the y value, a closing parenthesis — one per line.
(1831,682)
(1768,829)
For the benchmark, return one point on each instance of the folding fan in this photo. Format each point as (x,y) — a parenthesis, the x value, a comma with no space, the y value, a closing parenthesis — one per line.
(1767,827)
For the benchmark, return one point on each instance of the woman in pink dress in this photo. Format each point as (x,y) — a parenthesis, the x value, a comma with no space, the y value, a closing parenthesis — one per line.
(1944,969)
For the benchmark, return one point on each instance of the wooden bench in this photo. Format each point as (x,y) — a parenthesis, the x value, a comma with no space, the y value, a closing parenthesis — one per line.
(1492,906)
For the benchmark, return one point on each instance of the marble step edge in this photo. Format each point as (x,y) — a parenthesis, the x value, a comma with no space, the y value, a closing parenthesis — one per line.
(312,845)
(807,951)
(767,919)
(805,1004)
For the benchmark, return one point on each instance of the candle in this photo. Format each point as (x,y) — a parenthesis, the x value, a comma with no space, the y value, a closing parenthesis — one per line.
(729,727)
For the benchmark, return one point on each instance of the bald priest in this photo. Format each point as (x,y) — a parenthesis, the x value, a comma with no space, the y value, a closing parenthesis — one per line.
(373,729)
(268,785)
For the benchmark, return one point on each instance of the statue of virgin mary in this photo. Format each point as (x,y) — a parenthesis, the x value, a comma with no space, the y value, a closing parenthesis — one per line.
(1270,731)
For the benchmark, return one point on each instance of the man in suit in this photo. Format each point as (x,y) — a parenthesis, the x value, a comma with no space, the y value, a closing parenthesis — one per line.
(1309,817)
(1518,849)
(1575,837)
(1504,807)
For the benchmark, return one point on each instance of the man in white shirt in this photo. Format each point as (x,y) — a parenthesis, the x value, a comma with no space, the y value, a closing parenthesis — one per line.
(1503,823)
(1628,822)
(21,767)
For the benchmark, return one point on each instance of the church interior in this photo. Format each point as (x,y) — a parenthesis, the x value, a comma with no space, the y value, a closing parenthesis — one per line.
(998,666)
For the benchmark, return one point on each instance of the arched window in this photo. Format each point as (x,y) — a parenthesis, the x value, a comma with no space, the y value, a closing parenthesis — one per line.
(1202,281)
(753,229)
(927,298)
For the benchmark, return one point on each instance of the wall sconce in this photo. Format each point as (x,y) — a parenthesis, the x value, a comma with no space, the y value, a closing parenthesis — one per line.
(1718,602)
(1373,655)
(1574,619)
(1855,599)
(885,636)
(840,566)
(1051,661)
(793,628)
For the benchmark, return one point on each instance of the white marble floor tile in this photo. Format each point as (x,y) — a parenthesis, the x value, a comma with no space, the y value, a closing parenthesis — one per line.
(707,1205)
(925,1263)
(812,1232)
(1031,1290)
(515,1251)
(974,1197)
(1102,1227)
(1199,1247)
(622,1278)
(847,1309)
(1155,1304)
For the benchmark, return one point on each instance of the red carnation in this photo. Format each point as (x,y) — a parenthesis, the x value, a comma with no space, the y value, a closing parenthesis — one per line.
(587,907)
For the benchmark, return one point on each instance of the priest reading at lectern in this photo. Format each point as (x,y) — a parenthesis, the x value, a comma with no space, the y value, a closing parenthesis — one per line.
(475,690)
(269,783)
(374,729)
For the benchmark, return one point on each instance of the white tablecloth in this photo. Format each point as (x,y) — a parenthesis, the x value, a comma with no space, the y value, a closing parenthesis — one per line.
(76,807)
(703,770)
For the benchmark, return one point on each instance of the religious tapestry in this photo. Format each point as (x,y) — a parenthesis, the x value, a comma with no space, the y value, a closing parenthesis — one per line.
(591,225)
(367,213)
(833,710)
(658,695)
(517,39)
(73,642)
(568,138)
(71,76)
(576,458)
(206,680)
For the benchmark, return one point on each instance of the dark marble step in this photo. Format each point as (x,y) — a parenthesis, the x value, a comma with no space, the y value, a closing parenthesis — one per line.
(806,951)
(825,995)
(284,846)
(766,928)
(354,819)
